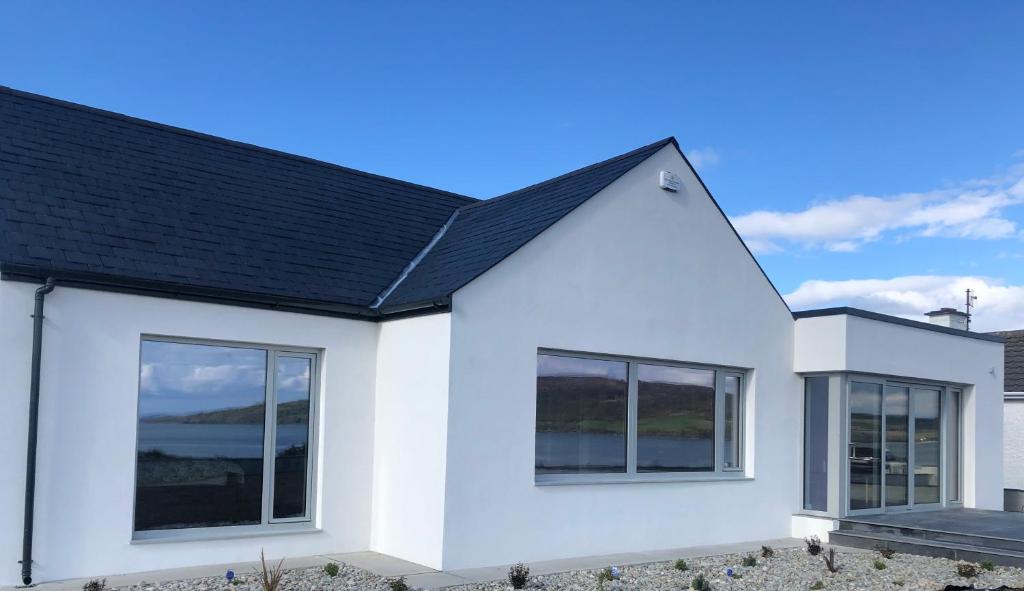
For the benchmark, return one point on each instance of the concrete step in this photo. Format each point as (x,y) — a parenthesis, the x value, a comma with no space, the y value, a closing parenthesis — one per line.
(926,547)
(868,527)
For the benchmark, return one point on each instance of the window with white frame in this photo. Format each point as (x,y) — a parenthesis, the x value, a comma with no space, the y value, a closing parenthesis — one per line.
(601,416)
(225,435)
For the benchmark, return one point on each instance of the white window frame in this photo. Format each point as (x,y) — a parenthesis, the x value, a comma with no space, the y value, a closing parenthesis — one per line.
(720,472)
(268,523)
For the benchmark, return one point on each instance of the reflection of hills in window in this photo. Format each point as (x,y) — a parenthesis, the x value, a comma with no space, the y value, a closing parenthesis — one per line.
(581,403)
(296,411)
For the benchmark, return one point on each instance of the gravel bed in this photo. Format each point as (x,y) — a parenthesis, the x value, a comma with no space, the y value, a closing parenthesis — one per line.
(790,569)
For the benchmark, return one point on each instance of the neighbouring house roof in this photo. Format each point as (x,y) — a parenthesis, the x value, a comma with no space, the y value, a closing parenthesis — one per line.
(847,311)
(1013,360)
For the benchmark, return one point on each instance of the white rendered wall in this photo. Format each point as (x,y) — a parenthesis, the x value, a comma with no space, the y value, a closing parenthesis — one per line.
(889,349)
(86,462)
(411,422)
(820,344)
(633,271)
(1013,435)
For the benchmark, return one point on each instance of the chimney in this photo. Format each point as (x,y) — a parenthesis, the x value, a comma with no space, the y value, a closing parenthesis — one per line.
(948,317)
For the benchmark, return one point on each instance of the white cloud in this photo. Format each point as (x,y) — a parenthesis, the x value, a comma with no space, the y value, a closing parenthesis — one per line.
(703,158)
(973,209)
(999,306)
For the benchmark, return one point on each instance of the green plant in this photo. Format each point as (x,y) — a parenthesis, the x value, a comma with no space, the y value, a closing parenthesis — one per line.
(681,565)
(95,585)
(518,574)
(898,583)
(700,583)
(332,569)
(885,551)
(879,565)
(988,565)
(813,545)
(608,573)
(966,570)
(767,551)
(749,560)
(398,584)
(817,586)
(270,578)
(830,561)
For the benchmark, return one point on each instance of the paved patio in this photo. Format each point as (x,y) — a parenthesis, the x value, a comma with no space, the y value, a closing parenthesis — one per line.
(421,576)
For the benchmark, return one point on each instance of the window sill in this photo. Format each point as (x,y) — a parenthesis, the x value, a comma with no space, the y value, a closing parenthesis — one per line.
(576,479)
(222,533)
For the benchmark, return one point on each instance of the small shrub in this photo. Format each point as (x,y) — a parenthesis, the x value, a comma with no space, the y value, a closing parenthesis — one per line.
(966,570)
(813,545)
(95,585)
(885,551)
(700,583)
(604,576)
(518,574)
(681,565)
(817,586)
(830,561)
(749,560)
(398,584)
(270,578)
(332,569)
(898,583)
(767,552)
(879,565)
(988,565)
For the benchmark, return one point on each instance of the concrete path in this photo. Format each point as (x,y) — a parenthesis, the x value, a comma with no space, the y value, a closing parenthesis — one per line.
(421,576)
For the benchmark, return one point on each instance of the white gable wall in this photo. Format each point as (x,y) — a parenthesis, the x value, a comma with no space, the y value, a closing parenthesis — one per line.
(87,429)
(633,271)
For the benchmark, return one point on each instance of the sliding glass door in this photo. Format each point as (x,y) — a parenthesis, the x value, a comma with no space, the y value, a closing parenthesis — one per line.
(897,446)
(927,445)
(896,460)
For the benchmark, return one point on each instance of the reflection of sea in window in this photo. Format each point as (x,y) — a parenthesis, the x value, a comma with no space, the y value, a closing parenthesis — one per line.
(581,415)
(202,438)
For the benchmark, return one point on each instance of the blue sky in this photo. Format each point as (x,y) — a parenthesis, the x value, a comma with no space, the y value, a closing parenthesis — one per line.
(870,152)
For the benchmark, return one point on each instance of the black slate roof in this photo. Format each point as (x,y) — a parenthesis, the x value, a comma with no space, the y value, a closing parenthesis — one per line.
(104,195)
(104,200)
(484,233)
(1013,360)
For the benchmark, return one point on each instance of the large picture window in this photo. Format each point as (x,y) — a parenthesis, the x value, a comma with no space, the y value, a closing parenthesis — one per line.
(609,417)
(225,435)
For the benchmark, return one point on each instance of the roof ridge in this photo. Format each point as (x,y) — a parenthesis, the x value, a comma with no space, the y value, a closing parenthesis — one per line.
(578,171)
(215,138)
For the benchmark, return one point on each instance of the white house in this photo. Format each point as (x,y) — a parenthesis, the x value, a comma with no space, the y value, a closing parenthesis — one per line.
(244,349)
(1013,419)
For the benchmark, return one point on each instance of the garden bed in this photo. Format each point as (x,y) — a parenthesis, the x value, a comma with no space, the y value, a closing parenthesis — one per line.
(788,570)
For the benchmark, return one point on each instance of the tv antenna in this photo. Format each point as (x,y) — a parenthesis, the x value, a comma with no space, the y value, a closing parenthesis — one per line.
(971,298)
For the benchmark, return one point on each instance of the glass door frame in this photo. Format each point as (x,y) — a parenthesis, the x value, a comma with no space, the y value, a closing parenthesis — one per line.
(945,397)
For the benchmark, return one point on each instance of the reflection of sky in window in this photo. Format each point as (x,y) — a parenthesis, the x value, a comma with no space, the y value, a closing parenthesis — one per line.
(556,366)
(178,378)
(865,398)
(926,404)
(292,379)
(677,375)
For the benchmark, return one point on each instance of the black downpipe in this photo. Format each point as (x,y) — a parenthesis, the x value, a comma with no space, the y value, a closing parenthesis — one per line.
(33,431)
